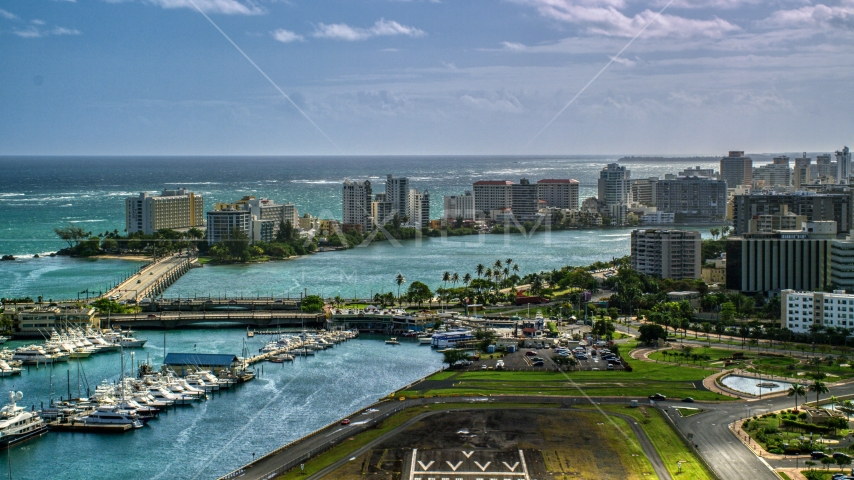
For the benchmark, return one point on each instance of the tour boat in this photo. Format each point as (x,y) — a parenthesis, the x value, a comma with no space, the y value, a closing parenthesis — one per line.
(392,341)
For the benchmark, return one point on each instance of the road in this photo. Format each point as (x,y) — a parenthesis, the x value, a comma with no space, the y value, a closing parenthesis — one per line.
(132,288)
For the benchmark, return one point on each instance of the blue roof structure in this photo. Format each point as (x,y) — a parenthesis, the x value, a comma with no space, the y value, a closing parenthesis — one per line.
(206,359)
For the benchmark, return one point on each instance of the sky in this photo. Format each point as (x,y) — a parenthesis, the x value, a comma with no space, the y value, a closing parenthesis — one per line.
(381,77)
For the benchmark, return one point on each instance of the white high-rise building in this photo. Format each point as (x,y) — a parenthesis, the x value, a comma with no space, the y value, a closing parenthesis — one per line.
(172,209)
(800,310)
(397,192)
(221,223)
(492,195)
(614,185)
(356,205)
(736,169)
(419,208)
(843,166)
(558,193)
(777,174)
(457,206)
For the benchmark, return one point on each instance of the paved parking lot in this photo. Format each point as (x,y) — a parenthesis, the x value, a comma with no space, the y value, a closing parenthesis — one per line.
(520,361)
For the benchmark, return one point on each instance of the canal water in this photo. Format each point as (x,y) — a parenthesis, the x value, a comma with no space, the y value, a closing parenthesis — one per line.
(360,271)
(211,438)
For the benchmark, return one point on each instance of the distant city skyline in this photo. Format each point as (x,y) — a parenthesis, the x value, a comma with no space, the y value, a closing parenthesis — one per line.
(383,77)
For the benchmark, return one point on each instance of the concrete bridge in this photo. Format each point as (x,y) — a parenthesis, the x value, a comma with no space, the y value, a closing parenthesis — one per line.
(237,318)
(152,280)
(202,304)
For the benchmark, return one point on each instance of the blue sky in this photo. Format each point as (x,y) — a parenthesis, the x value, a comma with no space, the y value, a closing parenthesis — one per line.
(425,77)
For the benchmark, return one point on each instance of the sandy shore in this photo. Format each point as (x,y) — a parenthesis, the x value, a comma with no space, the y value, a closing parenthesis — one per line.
(135,258)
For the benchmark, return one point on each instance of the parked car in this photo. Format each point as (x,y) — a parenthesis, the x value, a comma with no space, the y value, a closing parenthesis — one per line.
(818,455)
(538,363)
(688,400)
(610,367)
(657,396)
(483,367)
(346,421)
(531,353)
(838,455)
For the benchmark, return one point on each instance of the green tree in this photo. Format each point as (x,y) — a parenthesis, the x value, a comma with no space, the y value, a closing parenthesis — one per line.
(399,280)
(797,390)
(485,337)
(728,312)
(818,387)
(72,234)
(238,244)
(312,304)
(707,329)
(453,355)
(567,361)
(419,292)
(110,244)
(715,232)
(650,333)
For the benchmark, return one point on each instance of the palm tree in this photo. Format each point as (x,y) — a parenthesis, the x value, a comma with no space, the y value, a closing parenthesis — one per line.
(487,274)
(479,269)
(467,279)
(707,329)
(508,262)
(446,277)
(725,230)
(497,265)
(847,407)
(797,390)
(399,280)
(818,387)
(455,278)
(714,232)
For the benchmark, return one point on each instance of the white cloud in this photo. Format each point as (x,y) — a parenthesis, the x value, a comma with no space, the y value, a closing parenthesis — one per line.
(383,27)
(37,22)
(64,31)
(287,36)
(8,15)
(228,7)
(493,102)
(513,46)
(603,17)
(624,61)
(35,32)
(816,16)
(709,3)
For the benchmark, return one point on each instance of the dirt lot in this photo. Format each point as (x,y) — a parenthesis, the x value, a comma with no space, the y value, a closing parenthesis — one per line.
(551,444)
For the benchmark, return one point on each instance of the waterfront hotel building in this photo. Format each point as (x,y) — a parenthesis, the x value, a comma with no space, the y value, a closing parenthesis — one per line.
(172,209)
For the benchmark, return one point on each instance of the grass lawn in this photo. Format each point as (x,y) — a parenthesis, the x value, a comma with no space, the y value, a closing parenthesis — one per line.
(783,476)
(769,432)
(675,356)
(645,379)
(667,442)
(337,452)
(687,412)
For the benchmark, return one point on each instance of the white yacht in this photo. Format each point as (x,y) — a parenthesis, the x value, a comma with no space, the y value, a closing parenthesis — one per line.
(32,355)
(109,415)
(18,425)
(124,339)
(3,339)
(425,339)
(7,370)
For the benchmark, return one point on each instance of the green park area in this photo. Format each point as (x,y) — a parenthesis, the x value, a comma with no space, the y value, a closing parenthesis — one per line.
(644,379)
(670,447)
(791,433)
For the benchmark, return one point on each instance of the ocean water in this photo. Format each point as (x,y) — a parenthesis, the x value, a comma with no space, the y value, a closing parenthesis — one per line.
(40,193)
(211,438)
